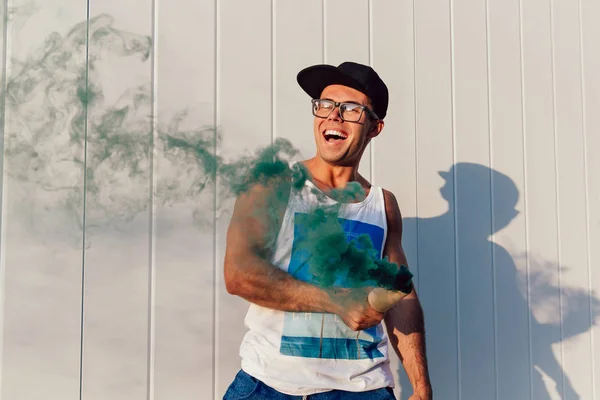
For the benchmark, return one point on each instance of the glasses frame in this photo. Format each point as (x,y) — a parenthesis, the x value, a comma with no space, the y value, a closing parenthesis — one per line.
(338,105)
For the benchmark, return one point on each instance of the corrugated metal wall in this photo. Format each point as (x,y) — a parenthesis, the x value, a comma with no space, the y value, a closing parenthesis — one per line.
(112,275)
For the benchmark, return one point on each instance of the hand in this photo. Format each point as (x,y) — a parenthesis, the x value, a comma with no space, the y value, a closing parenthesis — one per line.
(353,307)
(423,393)
(419,397)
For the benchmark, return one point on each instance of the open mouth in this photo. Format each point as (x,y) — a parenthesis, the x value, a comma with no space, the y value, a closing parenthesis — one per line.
(333,135)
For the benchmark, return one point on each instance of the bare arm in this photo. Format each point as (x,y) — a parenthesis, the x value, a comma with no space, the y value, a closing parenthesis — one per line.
(404,321)
(249,275)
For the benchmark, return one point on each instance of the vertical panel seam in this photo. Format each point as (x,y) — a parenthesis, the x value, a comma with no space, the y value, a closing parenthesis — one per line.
(492,203)
(586,197)
(455,195)
(215,179)
(557,196)
(370,41)
(152,210)
(273,68)
(414,27)
(323,27)
(84,208)
(525,202)
(3,90)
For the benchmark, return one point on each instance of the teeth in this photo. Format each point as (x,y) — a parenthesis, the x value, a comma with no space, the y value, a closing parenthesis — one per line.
(335,133)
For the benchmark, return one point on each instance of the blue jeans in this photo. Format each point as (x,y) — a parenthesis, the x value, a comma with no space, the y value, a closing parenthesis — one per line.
(246,387)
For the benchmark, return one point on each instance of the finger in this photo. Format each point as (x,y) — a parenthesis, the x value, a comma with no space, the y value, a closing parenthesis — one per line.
(373,312)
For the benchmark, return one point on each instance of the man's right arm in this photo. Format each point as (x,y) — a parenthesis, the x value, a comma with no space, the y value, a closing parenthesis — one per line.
(249,275)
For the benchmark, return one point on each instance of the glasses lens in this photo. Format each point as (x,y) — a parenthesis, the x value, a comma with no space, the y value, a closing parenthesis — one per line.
(351,112)
(322,108)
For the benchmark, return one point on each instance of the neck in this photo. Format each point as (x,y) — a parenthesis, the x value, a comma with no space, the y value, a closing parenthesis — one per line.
(333,176)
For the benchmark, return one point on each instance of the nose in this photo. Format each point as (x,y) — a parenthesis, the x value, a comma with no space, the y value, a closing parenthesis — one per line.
(335,115)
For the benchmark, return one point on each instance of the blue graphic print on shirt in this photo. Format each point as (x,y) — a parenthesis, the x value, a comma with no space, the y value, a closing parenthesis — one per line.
(322,335)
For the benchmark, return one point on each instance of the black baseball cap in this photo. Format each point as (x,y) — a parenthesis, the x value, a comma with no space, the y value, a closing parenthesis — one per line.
(357,76)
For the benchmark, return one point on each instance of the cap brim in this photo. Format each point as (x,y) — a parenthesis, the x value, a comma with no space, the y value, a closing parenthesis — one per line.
(317,77)
(446,175)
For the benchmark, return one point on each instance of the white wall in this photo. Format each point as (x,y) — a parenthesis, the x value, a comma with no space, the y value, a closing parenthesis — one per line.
(109,292)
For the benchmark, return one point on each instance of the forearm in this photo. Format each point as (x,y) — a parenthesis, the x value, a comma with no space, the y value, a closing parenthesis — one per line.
(414,361)
(259,282)
(406,330)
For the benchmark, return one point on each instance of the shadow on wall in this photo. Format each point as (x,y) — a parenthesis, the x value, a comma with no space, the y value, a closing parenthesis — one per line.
(527,320)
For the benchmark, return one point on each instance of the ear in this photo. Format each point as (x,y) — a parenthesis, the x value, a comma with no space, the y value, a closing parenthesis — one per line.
(375,129)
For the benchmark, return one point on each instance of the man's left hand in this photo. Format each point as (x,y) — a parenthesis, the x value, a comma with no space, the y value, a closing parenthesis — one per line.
(422,394)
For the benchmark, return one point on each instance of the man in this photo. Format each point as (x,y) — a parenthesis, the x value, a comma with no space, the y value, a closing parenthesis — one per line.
(312,341)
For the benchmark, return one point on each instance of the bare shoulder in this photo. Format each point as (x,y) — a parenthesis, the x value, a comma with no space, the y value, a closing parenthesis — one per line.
(393,244)
(392,209)
(263,202)
(257,215)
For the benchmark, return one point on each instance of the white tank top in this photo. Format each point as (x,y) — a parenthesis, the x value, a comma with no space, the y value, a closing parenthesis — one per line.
(300,353)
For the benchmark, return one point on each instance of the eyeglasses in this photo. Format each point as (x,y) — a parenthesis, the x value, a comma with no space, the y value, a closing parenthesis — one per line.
(350,112)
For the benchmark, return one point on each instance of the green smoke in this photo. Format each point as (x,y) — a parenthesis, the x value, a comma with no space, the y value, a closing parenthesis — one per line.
(60,130)
(335,258)
(63,132)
